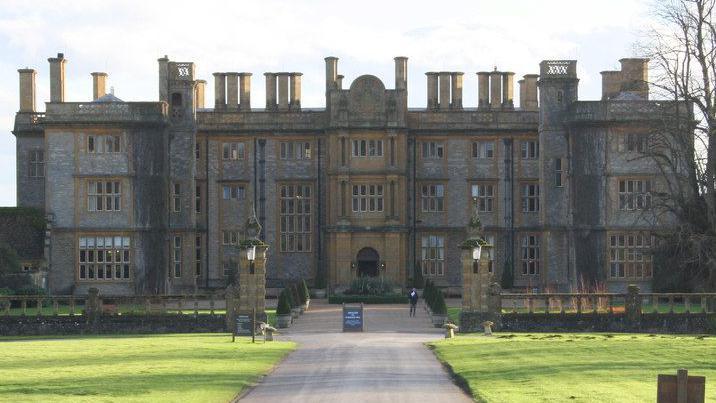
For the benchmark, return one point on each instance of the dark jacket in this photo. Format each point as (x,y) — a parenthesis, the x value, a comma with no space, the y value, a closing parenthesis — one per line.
(413,297)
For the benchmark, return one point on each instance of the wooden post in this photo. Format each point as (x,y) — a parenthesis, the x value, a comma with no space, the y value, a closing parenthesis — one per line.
(682,377)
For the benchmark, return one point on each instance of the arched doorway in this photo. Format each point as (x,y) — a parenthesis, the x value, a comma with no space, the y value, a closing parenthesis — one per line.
(367,262)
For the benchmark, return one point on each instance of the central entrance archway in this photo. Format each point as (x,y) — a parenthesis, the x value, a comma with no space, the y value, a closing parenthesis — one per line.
(367,259)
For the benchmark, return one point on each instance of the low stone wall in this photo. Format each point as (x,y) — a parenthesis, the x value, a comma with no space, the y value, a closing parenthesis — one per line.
(110,324)
(591,322)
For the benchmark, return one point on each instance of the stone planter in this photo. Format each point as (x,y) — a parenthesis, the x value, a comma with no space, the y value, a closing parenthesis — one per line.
(439,320)
(319,293)
(283,321)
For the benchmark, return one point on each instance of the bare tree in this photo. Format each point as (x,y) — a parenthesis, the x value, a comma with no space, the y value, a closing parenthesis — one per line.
(682,48)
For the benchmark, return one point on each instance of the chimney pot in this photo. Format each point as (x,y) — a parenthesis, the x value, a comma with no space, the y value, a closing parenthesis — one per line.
(508,90)
(245,91)
(27,90)
(99,85)
(331,72)
(219,91)
(57,78)
(444,79)
(295,85)
(401,73)
(483,81)
(495,89)
(199,91)
(282,91)
(270,91)
(456,89)
(432,90)
(232,90)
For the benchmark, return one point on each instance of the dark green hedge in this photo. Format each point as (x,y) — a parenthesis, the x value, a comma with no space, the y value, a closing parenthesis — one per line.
(368,299)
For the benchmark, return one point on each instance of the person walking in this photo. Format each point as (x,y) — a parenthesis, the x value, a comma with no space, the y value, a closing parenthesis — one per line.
(413,301)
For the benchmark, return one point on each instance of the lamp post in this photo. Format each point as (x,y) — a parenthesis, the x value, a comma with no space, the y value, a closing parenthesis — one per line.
(251,256)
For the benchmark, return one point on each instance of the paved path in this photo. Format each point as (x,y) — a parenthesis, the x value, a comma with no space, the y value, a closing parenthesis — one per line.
(388,363)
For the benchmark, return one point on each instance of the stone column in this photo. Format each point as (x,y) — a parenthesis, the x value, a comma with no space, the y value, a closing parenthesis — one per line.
(270,91)
(57,78)
(99,85)
(245,91)
(401,73)
(476,281)
(219,91)
(508,90)
(27,90)
(483,84)
(495,90)
(530,102)
(199,91)
(444,90)
(282,91)
(432,90)
(232,91)
(456,88)
(295,84)
(633,307)
(252,283)
(331,72)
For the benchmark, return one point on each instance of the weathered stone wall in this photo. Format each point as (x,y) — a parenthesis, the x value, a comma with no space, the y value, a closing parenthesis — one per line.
(30,190)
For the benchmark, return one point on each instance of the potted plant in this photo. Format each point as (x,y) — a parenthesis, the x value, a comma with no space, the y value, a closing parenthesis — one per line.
(439,309)
(320,287)
(305,294)
(283,310)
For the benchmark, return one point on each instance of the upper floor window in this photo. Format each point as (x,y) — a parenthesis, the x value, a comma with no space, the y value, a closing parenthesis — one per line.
(558,172)
(233,151)
(367,198)
(176,197)
(432,150)
(236,192)
(104,258)
(37,164)
(432,197)
(633,142)
(98,144)
(483,195)
(630,256)
(197,151)
(295,218)
(483,149)
(530,149)
(634,194)
(530,255)
(295,150)
(197,199)
(433,255)
(104,196)
(530,197)
(176,256)
(230,237)
(197,255)
(367,148)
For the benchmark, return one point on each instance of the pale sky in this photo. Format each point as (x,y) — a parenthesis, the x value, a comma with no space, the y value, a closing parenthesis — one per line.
(125,39)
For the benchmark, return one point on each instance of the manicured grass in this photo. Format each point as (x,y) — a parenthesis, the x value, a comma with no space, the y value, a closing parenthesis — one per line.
(575,367)
(157,368)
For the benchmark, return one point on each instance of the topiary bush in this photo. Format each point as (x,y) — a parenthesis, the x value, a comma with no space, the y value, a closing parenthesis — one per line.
(439,307)
(295,296)
(303,289)
(369,286)
(284,303)
(289,296)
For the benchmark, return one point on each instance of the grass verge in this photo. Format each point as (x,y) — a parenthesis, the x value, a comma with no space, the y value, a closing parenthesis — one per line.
(157,368)
(573,367)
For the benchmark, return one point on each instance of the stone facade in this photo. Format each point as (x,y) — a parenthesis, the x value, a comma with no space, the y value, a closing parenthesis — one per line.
(363,186)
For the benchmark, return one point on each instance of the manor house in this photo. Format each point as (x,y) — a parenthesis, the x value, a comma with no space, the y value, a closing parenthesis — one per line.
(152,197)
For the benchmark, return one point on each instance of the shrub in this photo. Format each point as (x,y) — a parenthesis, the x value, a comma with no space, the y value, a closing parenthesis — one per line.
(284,304)
(6,291)
(320,281)
(289,296)
(303,289)
(369,286)
(31,290)
(295,297)
(439,307)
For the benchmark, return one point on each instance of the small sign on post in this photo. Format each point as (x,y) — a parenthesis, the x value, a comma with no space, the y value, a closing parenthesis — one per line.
(244,324)
(353,318)
(681,388)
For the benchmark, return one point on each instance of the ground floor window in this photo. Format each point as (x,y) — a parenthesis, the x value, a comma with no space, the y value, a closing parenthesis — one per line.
(104,258)
(433,255)
(630,256)
(530,255)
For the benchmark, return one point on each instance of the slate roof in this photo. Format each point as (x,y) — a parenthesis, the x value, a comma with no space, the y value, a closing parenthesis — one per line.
(107,98)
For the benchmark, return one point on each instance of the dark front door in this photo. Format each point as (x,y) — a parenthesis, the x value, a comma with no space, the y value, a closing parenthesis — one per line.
(367,262)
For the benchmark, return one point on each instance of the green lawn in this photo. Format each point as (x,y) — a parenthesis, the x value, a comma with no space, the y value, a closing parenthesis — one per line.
(156,368)
(575,367)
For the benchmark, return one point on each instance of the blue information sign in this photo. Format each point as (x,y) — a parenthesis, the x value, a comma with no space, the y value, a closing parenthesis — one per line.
(353,318)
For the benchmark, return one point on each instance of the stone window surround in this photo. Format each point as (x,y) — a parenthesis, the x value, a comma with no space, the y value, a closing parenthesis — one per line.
(432,254)
(432,149)
(634,193)
(363,195)
(530,196)
(432,197)
(233,191)
(483,149)
(104,144)
(628,254)
(233,150)
(367,148)
(486,201)
(110,194)
(295,217)
(36,163)
(89,248)
(529,149)
(530,254)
